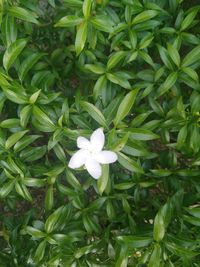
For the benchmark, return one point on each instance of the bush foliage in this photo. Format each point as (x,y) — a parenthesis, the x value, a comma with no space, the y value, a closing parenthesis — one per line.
(67,68)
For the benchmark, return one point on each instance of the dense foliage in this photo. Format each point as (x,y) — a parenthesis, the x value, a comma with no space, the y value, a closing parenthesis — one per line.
(69,67)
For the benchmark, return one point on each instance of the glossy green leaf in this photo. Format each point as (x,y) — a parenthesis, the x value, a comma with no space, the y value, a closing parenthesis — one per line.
(128,163)
(13,52)
(173,53)
(49,199)
(125,106)
(94,112)
(144,16)
(6,189)
(28,63)
(14,138)
(168,83)
(39,254)
(23,14)
(191,57)
(102,23)
(103,180)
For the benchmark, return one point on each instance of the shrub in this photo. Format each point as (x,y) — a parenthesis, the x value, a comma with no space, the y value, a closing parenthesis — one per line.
(68,68)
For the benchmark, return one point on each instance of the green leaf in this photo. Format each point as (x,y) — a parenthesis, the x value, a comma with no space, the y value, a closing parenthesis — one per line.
(115,59)
(164,56)
(94,112)
(135,150)
(9,29)
(87,5)
(194,211)
(192,220)
(100,85)
(103,180)
(25,141)
(98,69)
(10,123)
(69,21)
(28,63)
(33,98)
(43,118)
(52,220)
(146,57)
(188,20)
(102,23)
(118,79)
(122,260)
(23,191)
(40,251)
(6,189)
(142,134)
(25,114)
(52,3)
(34,232)
(34,182)
(125,106)
(133,241)
(119,145)
(155,258)
(128,163)
(168,83)
(182,135)
(191,73)
(23,14)
(144,16)
(14,138)
(159,227)
(72,180)
(124,186)
(33,153)
(191,57)
(173,53)
(12,52)
(49,199)
(16,97)
(81,37)
(90,225)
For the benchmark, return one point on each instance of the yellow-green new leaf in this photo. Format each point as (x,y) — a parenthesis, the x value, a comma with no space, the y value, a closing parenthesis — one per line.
(87,4)
(69,21)
(23,14)
(81,37)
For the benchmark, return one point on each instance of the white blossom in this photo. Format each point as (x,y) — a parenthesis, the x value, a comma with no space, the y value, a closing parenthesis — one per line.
(91,154)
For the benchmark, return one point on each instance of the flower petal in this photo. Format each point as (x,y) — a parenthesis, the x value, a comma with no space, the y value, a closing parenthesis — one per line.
(106,157)
(97,140)
(83,142)
(78,159)
(93,167)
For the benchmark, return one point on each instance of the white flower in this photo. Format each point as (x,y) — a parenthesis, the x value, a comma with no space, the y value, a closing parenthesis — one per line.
(91,154)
